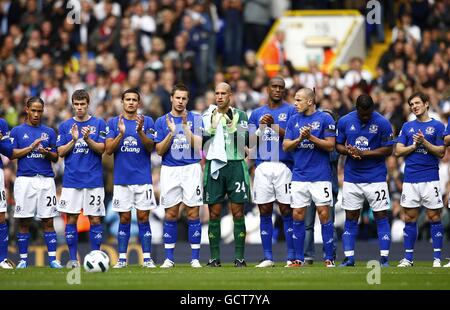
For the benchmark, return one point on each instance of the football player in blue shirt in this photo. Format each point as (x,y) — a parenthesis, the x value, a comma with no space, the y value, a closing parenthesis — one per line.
(421,142)
(310,136)
(179,140)
(34,145)
(81,142)
(5,149)
(273,168)
(310,216)
(366,137)
(447,134)
(130,138)
(447,143)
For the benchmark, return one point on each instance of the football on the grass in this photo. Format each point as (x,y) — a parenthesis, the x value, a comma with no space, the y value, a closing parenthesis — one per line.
(96,261)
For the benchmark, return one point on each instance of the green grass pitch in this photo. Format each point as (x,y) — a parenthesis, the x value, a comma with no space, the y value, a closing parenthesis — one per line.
(183,277)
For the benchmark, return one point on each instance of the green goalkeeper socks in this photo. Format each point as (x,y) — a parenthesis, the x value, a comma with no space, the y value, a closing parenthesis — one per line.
(214,238)
(239,237)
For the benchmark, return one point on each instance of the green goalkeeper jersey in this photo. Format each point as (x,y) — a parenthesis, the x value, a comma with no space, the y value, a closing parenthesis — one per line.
(235,134)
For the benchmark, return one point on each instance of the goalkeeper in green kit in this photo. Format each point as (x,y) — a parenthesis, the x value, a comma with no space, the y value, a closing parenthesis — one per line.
(226,173)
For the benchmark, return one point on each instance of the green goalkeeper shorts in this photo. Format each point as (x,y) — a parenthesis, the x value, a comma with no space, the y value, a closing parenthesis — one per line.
(233,181)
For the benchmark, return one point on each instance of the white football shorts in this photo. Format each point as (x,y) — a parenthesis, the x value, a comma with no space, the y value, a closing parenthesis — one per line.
(303,193)
(35,196)
(272,183)
(91,200)
(139,196)
(377,194)
(181,184)
(427,194)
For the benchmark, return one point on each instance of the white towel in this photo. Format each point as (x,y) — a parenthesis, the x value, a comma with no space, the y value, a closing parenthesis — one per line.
(216,153)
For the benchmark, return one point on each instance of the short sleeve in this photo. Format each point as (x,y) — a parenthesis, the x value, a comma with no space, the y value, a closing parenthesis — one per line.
(329,126)
(440,129)
(5,143)
(292,112)
(290,133)
(198,125)
(387,136)
(402,136)
(253,120)
(150,128)
(52,139)
(13,137)
(111,130)
(61,139)
(4,128)
(159,130)
(341,136)
(6,148)
(446,132)
(101,131)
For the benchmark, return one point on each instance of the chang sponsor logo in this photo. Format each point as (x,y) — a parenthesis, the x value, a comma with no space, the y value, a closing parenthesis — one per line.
(306,144)
(180,142)
(130,145)
(422,150)
(81,147)
(35,155)
(362,143)
(270,135)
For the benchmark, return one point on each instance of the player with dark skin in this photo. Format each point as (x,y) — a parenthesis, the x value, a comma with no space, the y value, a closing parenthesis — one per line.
(354,152)
(34,115)
(275,91)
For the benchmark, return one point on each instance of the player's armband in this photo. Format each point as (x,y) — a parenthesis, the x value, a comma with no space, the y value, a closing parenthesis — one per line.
(388,138)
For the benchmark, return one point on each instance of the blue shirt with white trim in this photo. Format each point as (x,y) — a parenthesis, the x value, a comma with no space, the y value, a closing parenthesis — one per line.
(5,143)
(370,136)
(420,165)
(34,163)
(82,166)
(447,129)
(269,145)
(131,158)
(311,164)
(180,152)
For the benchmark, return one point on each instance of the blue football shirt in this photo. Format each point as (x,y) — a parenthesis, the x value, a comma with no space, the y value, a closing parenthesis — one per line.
(311,164)
(269,144)
(420,165)
(131,158)
(82,166)
(180,152)
(34,162)
(447,129)
(373,135)
(5,143)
